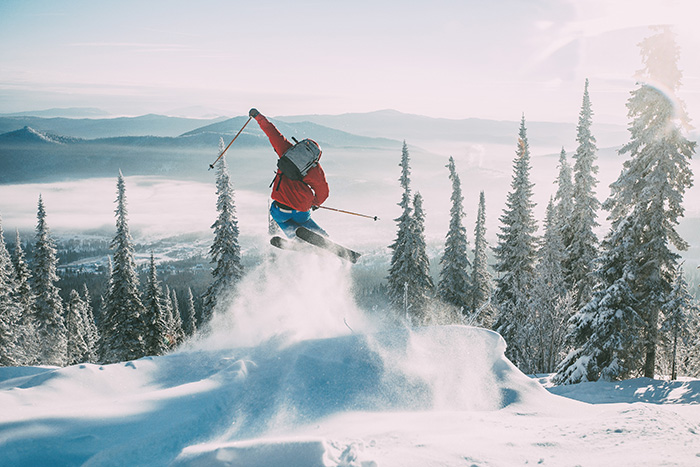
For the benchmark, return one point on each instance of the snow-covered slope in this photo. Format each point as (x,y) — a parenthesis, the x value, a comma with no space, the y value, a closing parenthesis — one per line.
(147,411)
(281,380)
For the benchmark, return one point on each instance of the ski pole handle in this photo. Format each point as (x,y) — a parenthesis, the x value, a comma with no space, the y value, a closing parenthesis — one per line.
(351,213)
(211,166)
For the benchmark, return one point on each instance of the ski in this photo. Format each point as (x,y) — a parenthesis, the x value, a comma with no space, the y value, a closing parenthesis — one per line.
(322,242)
(284,244)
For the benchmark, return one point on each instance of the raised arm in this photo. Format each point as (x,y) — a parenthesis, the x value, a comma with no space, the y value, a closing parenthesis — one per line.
(278,141)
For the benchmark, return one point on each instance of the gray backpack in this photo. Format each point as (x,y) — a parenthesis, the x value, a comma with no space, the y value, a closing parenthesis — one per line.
(299,159)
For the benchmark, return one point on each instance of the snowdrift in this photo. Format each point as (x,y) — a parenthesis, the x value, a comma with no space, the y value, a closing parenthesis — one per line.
(211,407)
(281,379)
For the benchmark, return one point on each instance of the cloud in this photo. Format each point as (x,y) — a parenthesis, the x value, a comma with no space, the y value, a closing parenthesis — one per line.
(156,207)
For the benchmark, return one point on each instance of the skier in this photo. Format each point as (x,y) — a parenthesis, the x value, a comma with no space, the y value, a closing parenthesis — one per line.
(293,200)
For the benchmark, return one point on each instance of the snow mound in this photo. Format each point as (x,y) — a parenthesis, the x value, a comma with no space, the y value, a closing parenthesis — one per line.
(198,406)
(288,352)
(644,390)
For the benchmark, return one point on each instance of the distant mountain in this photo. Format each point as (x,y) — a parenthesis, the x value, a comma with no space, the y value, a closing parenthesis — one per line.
(324,135)
(92,128)
(42,149)
(71,112)
(31,154)
(415,128)
(28,135)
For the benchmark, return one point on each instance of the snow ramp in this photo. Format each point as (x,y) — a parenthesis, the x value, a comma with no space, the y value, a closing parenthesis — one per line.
(246,406)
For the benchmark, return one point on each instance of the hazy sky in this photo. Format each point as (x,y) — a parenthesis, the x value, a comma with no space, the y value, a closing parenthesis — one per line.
(454,59)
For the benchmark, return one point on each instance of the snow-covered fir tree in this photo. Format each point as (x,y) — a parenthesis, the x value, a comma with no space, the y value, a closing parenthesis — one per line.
(605,332)
(650,189)
(225,251)
(482,282)
(25,299)
(455,286)
(398,270)
(660,55)
(420,288)
(610,353)
(76,331)
(168,315)
(580,239)
(103,306)
(551,303)
(190,324)
(617,333)
(122,327)
(92,336)
(10,312)
(172,323)
(679,325)
(51,329)
(409,285)
(516,253)
(156,338)
(175,325)
(564,203)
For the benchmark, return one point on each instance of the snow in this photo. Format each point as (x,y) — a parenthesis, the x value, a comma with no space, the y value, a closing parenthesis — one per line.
(282,381)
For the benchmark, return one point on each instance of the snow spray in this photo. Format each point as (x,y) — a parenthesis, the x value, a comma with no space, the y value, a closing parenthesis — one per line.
(441,367)
(288,297)
(294,307)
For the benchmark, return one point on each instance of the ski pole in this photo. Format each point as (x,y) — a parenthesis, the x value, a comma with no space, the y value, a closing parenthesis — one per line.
(348,212)
(211,166)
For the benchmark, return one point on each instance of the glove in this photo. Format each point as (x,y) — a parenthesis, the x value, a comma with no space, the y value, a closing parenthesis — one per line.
(253,113)
(313,208)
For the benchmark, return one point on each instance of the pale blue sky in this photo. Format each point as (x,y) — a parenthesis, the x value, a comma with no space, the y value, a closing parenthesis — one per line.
(454,59)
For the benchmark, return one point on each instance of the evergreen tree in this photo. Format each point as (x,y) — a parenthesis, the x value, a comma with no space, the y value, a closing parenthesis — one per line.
(564,202)
(51,330)
(516,253)
(650,189)
(9,311)
(580,239)
(610,351)
(400,259)
(171,339)
(92,337)
(481,277)
(225,251)
(420,286)
(190,326)
(76,332)
(616,333)
(156,338)
(168,316)
(409,282)
(454,286)
(551,304)
(604,333)
(123,326)
(25,299)
(679,324)
(175,325)
(660,56)
(103,309)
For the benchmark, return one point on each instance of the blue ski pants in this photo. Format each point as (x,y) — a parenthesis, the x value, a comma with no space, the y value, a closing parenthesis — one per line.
(290,219)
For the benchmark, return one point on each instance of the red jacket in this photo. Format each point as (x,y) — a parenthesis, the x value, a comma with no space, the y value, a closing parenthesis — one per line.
(297,194)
